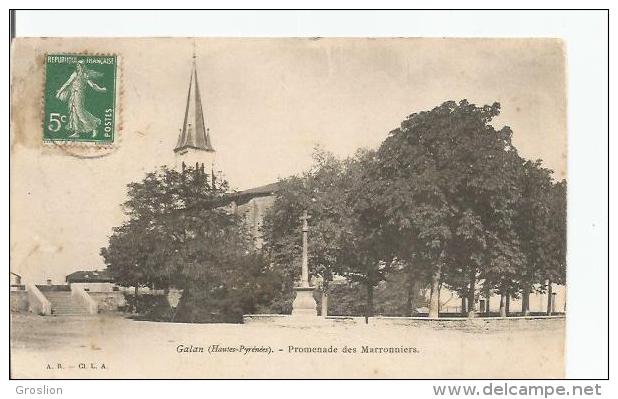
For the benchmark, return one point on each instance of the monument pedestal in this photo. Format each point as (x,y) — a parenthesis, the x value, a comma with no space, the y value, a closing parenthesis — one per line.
(304,304)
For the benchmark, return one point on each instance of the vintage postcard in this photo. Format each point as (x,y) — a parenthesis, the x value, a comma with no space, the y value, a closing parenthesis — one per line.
(288,208)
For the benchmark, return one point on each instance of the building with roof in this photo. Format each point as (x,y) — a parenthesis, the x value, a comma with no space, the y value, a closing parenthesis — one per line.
(92,280)
(15,281)
(252,205)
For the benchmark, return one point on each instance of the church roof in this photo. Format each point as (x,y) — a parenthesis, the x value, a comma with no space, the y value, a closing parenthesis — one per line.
(194,133)
(267,190)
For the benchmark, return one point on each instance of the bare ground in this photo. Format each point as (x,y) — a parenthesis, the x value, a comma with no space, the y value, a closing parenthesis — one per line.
(116,347)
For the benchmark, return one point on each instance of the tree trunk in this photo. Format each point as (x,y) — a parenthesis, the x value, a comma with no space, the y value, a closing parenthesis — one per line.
(507,305)
(434,296)
(412,292)
(369,309)
(135,299)
(525,301)
(464,308)
(502,305)
(409,301)
(471,292)
(486,295)
(550,297)
(324,303)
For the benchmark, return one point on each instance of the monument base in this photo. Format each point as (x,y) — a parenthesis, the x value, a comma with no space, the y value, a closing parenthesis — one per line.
(304,313)
(304,304)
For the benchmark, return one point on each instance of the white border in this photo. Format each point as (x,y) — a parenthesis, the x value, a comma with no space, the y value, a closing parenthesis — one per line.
(585,34)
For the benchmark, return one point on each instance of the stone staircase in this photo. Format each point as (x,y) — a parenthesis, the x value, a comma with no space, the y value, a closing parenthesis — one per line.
(64,305)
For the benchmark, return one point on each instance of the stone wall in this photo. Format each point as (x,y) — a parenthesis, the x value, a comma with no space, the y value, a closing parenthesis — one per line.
(253,213)
(95,287)
(37,302)
(19,301)
(264,318)
(288,320)
(108,301)
(479,324)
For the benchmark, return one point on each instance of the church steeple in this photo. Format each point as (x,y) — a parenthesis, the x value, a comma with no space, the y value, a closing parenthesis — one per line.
(194,133)
(194,147)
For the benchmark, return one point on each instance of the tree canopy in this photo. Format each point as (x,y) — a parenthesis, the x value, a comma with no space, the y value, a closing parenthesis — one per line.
(446,198)
(180,234)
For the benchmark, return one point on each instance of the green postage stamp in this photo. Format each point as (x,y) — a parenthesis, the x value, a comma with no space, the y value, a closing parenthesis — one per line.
(80,98)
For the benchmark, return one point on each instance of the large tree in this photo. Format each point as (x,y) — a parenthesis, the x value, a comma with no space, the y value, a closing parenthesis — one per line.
(533,224)
(318,191)
(162,212)
(446,199)
(555,268)
(340,242)
(443,182)
(179,233)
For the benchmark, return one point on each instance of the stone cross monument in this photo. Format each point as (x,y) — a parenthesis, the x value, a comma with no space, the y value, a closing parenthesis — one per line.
(304,304)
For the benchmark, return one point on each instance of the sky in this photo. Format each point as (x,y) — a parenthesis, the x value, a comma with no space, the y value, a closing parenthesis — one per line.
(268,103)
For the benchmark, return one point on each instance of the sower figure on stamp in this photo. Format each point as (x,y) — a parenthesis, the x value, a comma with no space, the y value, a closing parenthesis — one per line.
(73,91)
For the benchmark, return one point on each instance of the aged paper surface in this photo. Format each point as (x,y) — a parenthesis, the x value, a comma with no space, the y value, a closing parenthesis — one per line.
(91,116)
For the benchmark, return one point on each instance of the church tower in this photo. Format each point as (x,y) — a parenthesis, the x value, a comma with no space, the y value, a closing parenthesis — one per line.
(194,147)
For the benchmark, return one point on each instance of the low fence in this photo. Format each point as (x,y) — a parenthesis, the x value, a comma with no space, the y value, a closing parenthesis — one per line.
(109,301)
(477,324)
